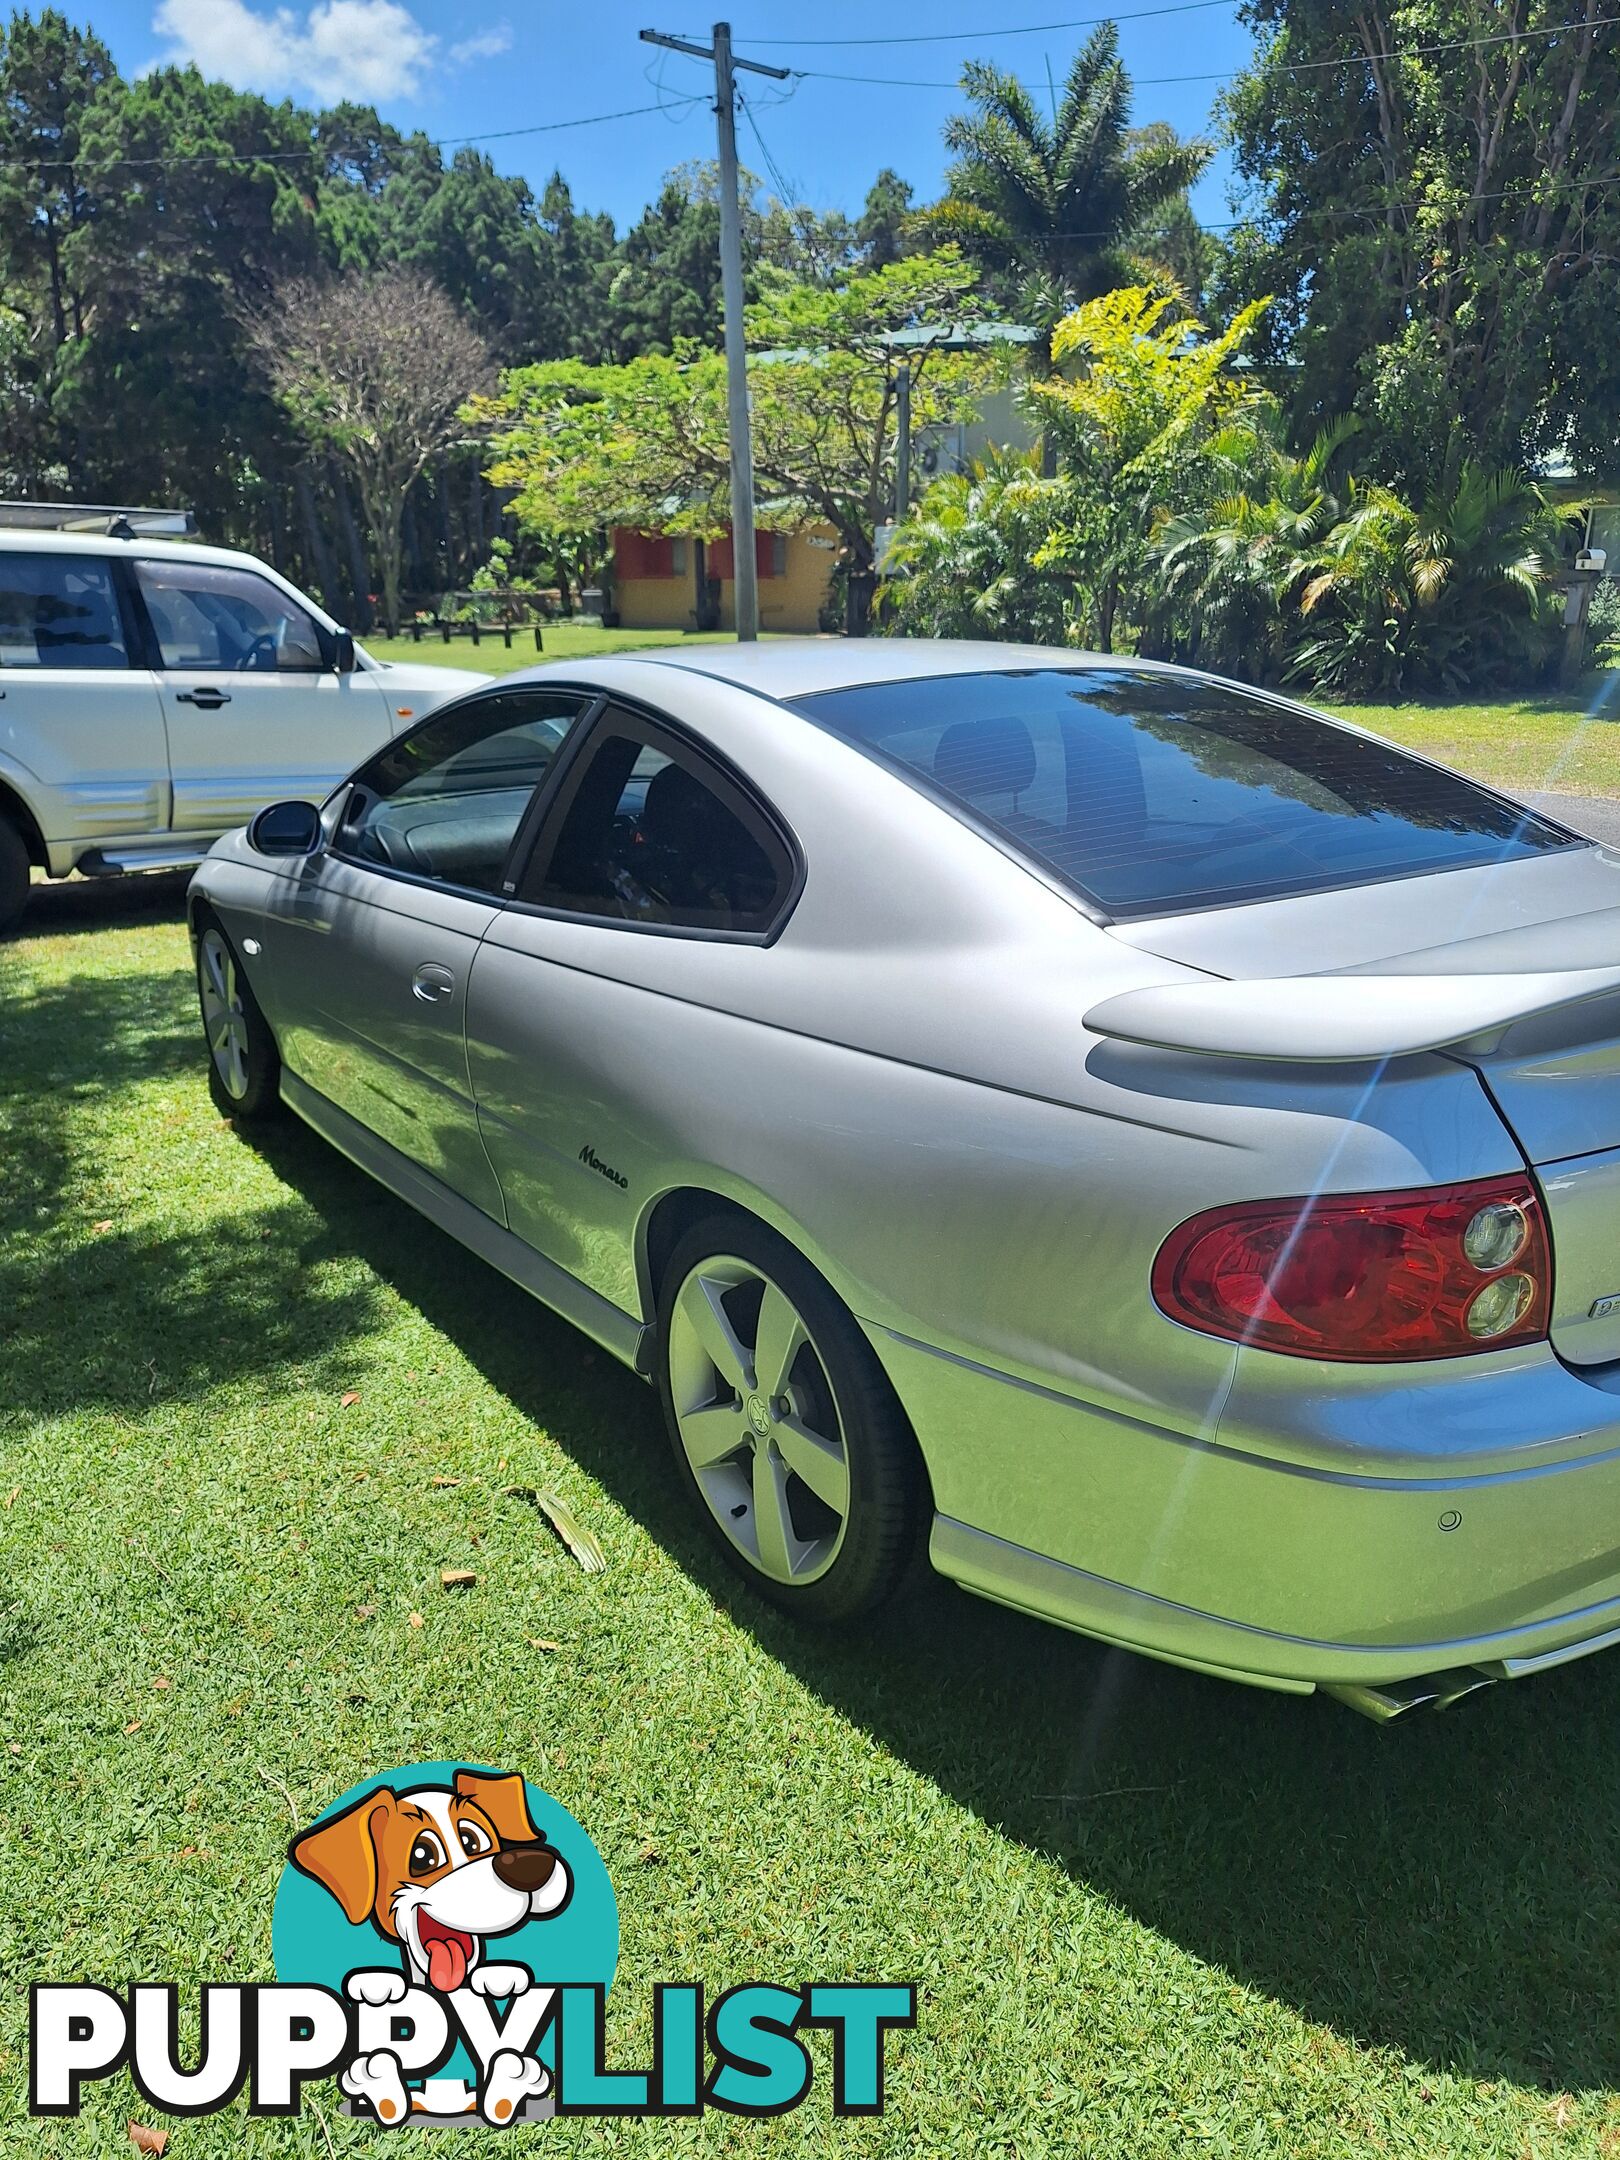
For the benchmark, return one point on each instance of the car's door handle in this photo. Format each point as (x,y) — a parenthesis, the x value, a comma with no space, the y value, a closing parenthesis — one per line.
(205,697)
(432,983)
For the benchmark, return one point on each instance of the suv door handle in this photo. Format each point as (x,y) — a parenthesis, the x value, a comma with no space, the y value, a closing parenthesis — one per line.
(205,697)
(432,983)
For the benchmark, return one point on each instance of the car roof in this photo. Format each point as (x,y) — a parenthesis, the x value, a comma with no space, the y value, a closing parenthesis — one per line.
(800,667)
(23,540)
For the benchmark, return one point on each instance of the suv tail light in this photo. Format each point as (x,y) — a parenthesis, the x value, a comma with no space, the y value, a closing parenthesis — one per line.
(1365,1277)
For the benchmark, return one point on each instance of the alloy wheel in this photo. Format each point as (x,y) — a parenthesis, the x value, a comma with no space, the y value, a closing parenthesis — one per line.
(758,1419)
(224,1019)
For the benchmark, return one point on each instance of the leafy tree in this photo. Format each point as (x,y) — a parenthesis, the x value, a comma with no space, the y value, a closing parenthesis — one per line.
(1453,592)
(377,368)
(882,231)
(666,285)
(1138,430)
(1051,206)
(1229,572)
(970,562)
(204,198)
(645,443)
(1435,209)
(51,76)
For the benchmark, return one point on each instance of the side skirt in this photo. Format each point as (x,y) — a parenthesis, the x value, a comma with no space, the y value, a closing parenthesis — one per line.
(626,1338)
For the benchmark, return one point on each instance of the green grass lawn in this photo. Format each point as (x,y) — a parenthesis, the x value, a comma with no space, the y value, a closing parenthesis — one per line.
(1150,1914)
(1567,744)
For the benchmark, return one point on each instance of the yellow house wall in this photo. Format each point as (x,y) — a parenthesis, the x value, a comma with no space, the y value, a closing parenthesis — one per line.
(789,603)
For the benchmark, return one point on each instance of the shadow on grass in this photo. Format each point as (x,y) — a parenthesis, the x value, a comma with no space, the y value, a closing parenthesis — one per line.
(70,906)
(63,1046)
(1447,1888)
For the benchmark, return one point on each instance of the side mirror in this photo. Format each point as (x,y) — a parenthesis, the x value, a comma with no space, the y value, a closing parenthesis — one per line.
(286,828)
(343,652)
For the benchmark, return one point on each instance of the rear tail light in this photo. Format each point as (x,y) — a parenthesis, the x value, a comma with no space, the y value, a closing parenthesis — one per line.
(1366,1277)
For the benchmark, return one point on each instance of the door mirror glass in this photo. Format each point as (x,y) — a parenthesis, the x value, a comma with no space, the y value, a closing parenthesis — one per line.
(343,651)
(286,828)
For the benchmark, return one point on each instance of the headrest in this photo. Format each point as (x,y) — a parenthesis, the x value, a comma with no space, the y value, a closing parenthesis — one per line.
(676,803)
(985,757)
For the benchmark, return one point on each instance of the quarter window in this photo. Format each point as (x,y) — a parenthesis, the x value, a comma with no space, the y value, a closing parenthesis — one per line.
(652,833)
(59,611)
(206,616)
(445,801)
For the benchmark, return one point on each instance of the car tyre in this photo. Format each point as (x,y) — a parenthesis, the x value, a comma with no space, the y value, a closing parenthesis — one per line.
(244,1065)
(13,875)
(784,1426)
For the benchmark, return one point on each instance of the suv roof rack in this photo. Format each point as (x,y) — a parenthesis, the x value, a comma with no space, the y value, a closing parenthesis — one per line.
(117,521)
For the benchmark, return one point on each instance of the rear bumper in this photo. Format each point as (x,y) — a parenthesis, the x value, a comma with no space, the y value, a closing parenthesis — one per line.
(1462,1517)
(1031,1582)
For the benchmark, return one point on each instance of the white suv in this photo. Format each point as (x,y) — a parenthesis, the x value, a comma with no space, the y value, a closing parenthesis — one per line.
(155,693)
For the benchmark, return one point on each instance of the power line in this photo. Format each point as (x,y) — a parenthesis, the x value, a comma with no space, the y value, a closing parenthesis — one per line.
(1286,67)
(955,37)
(88,162)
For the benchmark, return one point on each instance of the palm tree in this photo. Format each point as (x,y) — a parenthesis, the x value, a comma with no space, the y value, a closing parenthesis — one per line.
(1052,206)
(1230,570)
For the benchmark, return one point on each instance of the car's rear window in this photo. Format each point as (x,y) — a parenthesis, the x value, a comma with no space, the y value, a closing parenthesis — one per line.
(1156,793)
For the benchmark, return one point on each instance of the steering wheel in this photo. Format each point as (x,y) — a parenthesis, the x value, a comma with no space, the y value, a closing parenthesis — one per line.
(263,644)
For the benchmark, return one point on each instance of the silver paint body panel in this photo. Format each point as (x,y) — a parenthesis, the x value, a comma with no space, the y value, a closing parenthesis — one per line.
(904,1084)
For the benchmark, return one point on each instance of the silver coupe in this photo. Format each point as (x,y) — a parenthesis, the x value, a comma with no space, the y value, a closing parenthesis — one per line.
(1155,1143)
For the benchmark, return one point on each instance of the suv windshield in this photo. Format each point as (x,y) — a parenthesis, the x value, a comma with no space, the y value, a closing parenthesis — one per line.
(1156,793)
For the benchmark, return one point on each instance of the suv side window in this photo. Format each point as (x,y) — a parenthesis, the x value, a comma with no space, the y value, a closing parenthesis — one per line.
(59,611)
(205,616)
(651,832)
(446,801)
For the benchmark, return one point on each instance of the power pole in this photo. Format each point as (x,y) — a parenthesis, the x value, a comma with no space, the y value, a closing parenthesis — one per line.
(744,568)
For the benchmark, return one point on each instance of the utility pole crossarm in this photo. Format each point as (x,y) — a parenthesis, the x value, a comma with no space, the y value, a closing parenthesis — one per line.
(744,567)
(706,52)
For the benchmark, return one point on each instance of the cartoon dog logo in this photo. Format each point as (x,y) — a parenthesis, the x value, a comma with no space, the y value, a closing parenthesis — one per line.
(438,1871)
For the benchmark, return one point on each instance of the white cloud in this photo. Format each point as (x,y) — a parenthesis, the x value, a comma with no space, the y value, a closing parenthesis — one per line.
(482,45)
(368,50)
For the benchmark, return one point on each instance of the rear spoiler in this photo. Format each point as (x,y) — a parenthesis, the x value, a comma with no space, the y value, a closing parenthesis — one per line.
(1339,1019)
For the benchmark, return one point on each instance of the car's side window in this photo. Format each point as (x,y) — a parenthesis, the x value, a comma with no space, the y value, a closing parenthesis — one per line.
(59,611)
(445,801)
(207,616)
(652,833)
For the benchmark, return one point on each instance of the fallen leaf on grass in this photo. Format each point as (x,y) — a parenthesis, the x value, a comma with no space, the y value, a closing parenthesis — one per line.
(417,1620)
(162,1680)
(134,1725)
(446,1481)
(567,1525)
(155,2142)
(539,1642)
(365,1612)
(650,1854)
(1563,2113)
(349,1395)
(101,1228)
(456,1578)
(11,1497)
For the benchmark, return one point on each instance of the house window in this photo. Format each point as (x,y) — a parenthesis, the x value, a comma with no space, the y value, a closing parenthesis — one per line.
(678,564)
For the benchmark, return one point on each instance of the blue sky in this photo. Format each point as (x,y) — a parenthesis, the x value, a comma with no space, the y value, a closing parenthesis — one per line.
(494,65)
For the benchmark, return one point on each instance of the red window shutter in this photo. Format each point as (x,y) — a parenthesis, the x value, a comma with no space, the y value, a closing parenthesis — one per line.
(765,554)
(718,558)
(643,555)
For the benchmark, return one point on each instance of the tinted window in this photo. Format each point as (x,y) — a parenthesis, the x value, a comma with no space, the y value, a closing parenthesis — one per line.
(652,834)
(1153,793)
(59,611)
(230,620)
(446,800)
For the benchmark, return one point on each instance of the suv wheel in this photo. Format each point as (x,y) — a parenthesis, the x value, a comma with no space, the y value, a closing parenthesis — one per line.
(784,1424)
(13,874)
(244,1066)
